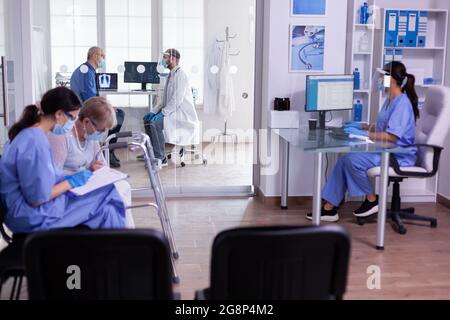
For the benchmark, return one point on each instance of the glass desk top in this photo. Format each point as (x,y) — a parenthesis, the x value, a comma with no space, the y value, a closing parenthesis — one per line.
(324,141)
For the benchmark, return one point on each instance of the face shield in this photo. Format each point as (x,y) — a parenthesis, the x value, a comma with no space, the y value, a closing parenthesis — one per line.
(382,80)
(162,67)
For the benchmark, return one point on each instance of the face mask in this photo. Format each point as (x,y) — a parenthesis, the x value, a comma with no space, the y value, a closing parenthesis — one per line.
(63,130)
(102,64)
(380,85)
(96,136)
(165,63)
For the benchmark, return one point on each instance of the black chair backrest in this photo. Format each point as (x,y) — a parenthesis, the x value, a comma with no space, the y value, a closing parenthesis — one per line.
(280,263)
(108,265)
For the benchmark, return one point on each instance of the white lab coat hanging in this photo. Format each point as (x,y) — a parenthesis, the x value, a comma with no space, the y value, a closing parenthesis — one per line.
(181,123)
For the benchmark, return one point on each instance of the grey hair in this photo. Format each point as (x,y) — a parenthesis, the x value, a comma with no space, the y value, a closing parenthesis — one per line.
(92,51)
(100,111)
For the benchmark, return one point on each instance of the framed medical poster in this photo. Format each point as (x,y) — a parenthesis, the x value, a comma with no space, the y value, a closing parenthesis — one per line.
(308,8)
(307,48)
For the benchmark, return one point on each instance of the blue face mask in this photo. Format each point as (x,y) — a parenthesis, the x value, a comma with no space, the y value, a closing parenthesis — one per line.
(102,64)
(380,85)
(164,63)
(63,130)
(96,136)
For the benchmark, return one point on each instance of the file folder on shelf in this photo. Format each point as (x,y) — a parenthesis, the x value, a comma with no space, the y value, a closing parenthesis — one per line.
(413,29)
(402,28)
(388,56)
(423,29)
(398,55)
(391,36)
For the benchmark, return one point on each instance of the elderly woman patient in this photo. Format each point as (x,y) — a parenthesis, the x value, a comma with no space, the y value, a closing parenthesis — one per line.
(79,149)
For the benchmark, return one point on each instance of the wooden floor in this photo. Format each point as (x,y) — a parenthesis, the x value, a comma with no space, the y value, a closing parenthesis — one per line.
(414,266)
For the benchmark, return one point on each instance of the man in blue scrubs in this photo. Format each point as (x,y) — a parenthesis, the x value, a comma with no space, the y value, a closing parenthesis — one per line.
(84,84)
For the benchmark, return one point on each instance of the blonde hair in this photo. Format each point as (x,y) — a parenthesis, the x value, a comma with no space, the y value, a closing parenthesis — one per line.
(100,111)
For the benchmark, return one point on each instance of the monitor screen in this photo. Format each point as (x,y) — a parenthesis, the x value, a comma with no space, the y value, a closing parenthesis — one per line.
(329,93)
(141,72)
(107,81)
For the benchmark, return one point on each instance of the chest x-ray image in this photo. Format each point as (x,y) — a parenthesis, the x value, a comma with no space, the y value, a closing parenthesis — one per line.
(307,48)
(104,81)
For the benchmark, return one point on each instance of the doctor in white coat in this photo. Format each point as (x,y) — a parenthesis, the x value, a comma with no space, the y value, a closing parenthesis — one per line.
(174,120)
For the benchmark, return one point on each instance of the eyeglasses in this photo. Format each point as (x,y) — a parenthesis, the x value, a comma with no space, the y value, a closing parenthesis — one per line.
(96,127)
(70,116)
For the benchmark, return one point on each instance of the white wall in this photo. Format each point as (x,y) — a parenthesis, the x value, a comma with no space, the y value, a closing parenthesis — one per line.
(240,16)
(278,82)
(41,19)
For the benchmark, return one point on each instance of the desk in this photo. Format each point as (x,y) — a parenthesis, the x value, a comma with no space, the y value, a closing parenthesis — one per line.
(320,142)
(149,93)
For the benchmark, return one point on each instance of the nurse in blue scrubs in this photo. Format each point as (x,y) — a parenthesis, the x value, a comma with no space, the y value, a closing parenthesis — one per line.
(396,124)
(32,188)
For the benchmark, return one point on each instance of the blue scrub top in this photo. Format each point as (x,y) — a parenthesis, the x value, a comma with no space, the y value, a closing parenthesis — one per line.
(27,177)
(397,118)
(84,84)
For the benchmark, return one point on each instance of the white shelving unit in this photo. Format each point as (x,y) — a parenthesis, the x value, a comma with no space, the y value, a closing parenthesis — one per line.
(431,62)
(430,59)
(363,60)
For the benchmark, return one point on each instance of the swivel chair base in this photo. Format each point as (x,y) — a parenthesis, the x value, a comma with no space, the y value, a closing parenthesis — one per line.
(398,215)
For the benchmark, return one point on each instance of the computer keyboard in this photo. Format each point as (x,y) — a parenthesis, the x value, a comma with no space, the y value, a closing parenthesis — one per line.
(339,133)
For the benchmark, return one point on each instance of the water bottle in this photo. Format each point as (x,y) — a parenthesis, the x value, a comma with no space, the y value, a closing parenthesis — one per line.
(357,76)
(364,13)
(358,111)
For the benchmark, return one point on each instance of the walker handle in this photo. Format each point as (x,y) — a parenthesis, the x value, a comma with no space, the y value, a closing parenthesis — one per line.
(119,145)
(127,134)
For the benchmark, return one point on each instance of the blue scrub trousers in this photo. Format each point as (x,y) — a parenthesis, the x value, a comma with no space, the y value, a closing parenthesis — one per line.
(350,174)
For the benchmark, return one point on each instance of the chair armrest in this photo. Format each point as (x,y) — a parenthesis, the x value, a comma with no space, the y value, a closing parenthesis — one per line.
(4,234)
(436,158)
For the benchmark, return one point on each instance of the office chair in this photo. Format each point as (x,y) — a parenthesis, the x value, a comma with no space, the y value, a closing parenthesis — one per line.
(430,138)
(111,265)
(279,263)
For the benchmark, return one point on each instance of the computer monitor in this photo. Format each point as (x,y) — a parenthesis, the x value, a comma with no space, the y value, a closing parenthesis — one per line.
(107,81)
(326,93)
(141,72)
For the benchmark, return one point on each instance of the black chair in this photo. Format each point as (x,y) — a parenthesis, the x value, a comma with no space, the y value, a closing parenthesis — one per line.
(11,259)
(279,263)
(113,265)
(432,131)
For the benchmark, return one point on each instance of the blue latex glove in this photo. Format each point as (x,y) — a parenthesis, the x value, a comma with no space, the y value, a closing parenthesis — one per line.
(356,132)
(157,117)
(148,116)
(79,179)
(353,124)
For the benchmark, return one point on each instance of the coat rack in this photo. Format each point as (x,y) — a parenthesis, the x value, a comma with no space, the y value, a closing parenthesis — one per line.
(225,134)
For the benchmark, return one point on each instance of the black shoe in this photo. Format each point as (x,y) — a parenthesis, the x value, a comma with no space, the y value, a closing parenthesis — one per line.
(113,156)
(367,209)
(114,163)
(164,162)
(326,216)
